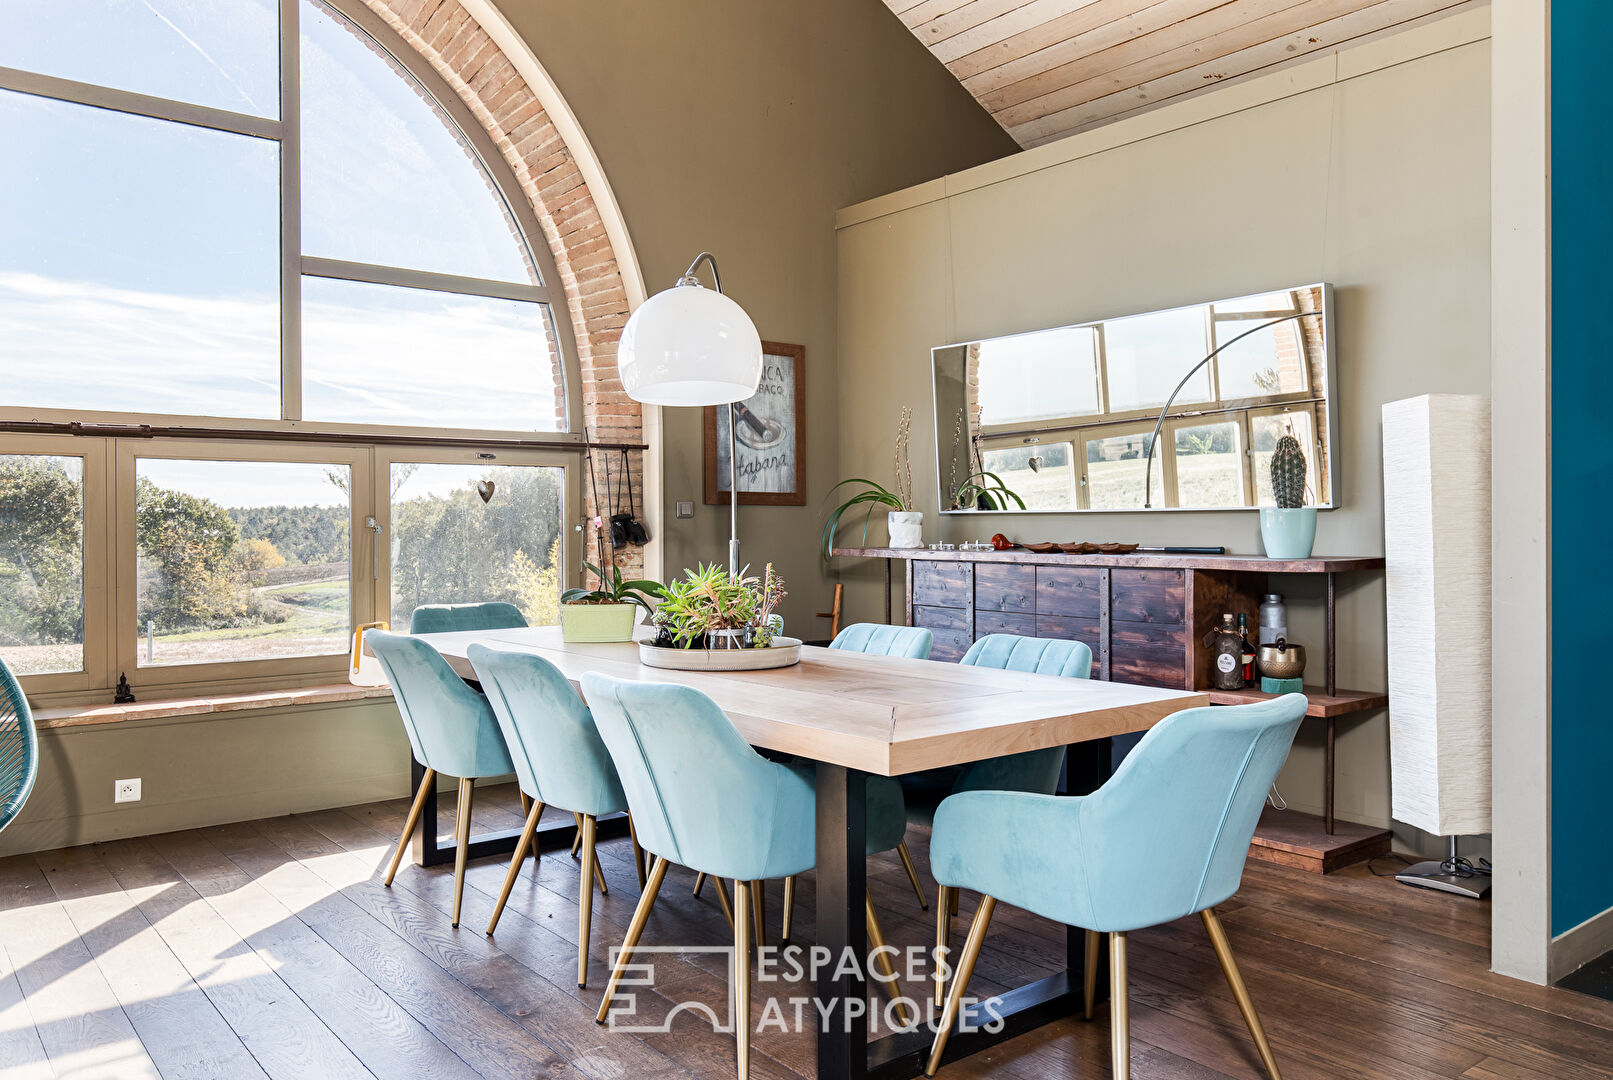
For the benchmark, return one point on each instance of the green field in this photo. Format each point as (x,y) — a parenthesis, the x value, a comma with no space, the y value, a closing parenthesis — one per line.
(1203,480)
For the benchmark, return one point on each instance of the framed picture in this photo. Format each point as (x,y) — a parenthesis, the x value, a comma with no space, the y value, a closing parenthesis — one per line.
(770,438)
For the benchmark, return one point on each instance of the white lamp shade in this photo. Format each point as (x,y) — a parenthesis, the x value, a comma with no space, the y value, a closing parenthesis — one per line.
(689,346)
(1436,534)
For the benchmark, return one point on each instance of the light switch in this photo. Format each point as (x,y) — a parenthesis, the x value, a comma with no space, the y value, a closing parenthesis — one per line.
(685,509)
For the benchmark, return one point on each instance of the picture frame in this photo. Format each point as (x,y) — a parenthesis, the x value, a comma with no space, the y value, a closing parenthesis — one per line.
(772,437)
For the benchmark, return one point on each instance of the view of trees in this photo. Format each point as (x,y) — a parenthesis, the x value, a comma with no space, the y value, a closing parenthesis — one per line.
(222,582)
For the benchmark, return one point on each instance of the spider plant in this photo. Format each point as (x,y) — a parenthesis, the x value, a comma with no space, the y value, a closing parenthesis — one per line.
(985,487)
(614,589)
(872,494)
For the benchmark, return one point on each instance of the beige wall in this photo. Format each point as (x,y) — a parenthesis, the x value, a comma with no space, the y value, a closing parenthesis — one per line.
(733,125)
(1372,174)
(740,127)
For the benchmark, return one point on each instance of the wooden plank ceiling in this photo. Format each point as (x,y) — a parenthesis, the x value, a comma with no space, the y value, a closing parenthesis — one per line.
(1047,68)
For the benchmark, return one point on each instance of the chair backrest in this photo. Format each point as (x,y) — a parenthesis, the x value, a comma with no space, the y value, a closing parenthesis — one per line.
(880,640)
(442,618)
(700,795)
(1168,834)
(558,754)
(1035,770)
(19,747)
(451,727)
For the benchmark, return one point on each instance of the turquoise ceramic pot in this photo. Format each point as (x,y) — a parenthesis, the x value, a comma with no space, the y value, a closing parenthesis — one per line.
(1288,533)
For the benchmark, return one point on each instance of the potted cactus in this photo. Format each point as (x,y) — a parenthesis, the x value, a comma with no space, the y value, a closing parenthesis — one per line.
(1288,529)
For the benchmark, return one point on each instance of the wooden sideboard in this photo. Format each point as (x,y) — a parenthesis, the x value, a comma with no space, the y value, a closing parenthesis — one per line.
(1145,616)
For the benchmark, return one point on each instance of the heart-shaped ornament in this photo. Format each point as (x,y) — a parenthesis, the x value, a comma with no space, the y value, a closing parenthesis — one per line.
(484,488)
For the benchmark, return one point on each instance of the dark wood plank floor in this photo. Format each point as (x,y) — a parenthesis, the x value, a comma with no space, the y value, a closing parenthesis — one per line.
(270,949)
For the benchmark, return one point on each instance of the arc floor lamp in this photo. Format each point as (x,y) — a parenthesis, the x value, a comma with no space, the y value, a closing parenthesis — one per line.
(691,346)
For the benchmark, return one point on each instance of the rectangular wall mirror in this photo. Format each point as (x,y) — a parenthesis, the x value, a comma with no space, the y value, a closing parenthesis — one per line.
(1065,417)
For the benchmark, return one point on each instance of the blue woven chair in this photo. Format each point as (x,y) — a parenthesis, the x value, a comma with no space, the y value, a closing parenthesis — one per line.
(19,748)
(451,730)
(445,618)
(1166,837)
(705,799)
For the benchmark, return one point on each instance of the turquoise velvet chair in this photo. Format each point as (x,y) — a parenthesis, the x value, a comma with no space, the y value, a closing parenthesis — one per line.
(451,730)
(559,760)
(877,639)
(703,798)
(19,747)
(443,618)
(1165,837)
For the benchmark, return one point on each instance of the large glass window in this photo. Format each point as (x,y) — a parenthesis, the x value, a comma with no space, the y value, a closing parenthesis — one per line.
(471,533)
(241,560)
(1013,386)
(1114,470)
(1209,464)
(41,563)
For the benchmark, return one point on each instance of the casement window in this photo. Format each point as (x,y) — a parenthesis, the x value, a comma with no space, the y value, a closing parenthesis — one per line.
(309,326)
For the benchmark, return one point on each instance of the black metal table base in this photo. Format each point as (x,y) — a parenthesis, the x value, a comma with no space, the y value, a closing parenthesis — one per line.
(844,1052)
(429,850)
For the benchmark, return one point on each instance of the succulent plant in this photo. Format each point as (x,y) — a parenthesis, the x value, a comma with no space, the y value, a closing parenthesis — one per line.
(1288,473)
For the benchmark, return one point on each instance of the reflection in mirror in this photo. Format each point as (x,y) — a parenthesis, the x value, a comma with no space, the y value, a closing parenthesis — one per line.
(1065,418)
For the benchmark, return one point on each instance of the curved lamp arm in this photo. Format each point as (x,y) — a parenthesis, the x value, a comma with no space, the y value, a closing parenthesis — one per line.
(1153,440)
(689,277)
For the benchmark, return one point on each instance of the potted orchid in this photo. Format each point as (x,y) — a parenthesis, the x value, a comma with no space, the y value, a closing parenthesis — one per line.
(606,613)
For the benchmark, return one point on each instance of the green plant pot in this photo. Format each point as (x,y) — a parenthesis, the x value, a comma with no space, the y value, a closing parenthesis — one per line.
(1288,533)
(597,622)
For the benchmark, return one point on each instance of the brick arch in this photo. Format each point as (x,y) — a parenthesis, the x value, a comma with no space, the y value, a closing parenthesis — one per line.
(596,278)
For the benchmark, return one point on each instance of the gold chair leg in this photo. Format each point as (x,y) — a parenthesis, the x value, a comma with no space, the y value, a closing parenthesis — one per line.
(758,893)
(1089,988)
(635,930)
(576,837)
(1246,1004)
(428,790)
(722,902)
(1119,1007)
(640,866)
(960,981)
(943,935)
(599,872)
(700,883)
(467,795)
(912,874)
(789,910)
(534,812)
(740,975)
(585,898)
(882,960)
(526,803)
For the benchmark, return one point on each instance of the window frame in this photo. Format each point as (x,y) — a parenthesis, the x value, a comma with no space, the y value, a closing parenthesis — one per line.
(294,265)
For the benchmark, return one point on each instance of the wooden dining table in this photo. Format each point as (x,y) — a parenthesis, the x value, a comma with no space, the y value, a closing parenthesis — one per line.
(853,714)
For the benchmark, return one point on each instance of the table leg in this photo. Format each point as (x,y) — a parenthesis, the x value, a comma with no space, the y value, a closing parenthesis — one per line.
(841,888)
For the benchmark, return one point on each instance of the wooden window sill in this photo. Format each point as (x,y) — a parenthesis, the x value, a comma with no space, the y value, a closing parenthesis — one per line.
(68,716)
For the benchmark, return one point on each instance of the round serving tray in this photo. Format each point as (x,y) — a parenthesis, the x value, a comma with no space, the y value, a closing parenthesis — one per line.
(782,653)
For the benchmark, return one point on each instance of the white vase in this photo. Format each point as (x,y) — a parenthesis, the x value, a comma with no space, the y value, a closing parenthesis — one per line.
(906,529)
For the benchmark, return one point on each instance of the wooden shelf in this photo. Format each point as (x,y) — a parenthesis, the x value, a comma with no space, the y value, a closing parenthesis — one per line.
(1254,564)
(1323,704)
(1290,838)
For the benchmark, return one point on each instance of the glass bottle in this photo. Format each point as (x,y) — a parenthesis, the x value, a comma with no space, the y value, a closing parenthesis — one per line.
(1226,655)
(1246,654)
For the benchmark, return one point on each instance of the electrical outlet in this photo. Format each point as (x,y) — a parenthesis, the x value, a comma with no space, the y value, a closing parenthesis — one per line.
(126,790)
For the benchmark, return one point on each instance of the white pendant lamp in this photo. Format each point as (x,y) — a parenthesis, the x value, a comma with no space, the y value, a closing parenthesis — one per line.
(693,346)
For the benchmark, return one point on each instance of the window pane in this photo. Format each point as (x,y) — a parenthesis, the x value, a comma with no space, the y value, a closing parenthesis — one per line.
(1275,302)
(1268,361)
(387,178)
(450,546)
(41,563)
(143,274)
(379,354)
(1039,376)
(1264,431)
(1115,475)
(222,53)
(1041,475)
(1147,355)
(1209,467)
(241,560)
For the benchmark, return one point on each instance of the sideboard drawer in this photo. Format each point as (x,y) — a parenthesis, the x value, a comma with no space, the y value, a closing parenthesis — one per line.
(1005,587)
(1004,622)
(1068,629)
(1148,596)
(940,584)
(950,629)
(1068,590)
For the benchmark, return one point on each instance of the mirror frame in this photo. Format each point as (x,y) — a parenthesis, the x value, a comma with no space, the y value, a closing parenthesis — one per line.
(1329,397)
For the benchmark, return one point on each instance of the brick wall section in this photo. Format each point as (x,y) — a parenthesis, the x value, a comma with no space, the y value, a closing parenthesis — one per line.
(459,49)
